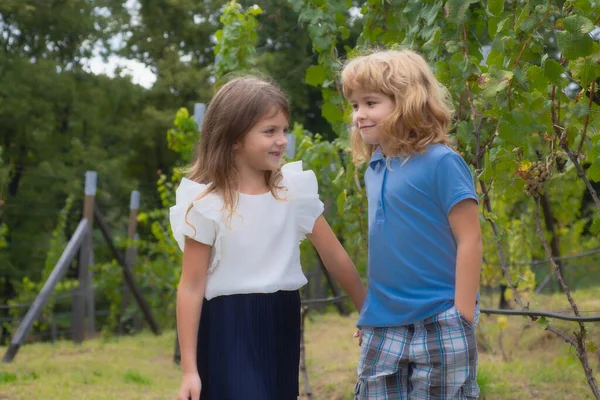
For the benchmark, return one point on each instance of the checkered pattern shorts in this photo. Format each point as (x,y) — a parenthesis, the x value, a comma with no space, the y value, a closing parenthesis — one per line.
(433,359)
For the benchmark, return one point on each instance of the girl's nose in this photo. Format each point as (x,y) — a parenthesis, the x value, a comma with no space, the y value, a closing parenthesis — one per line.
(282,140)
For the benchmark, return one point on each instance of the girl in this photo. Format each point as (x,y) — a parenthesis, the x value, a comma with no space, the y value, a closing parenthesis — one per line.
(418,321)
(239,219)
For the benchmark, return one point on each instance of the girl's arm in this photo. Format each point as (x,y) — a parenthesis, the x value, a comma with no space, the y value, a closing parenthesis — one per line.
(464,221)
(190,294)
(337,261)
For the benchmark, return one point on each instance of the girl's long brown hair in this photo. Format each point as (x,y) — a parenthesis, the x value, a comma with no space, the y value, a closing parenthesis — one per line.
(237,106)
(423,111)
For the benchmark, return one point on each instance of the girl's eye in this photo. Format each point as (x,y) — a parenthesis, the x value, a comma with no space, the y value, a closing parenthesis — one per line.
(270,131)
(371,103)
(355,107)
(286,130)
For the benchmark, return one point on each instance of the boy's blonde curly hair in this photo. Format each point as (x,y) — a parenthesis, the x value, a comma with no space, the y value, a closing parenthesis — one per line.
(423,111)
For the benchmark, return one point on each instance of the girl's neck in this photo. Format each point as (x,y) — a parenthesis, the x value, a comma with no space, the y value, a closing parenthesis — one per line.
(252,181)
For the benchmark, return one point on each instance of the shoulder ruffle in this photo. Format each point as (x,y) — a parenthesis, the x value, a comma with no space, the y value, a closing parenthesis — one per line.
(205,216)
(303,190)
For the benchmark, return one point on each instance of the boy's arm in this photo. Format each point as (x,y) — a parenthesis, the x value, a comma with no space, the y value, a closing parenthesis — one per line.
(464,221)
(337,261)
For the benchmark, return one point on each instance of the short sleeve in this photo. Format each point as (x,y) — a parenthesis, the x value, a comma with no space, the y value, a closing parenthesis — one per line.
(303,190)
(202,223)
(454,181)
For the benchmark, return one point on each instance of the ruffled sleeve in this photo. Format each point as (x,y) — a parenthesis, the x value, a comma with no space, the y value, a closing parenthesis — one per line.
(303,190)
(205,218)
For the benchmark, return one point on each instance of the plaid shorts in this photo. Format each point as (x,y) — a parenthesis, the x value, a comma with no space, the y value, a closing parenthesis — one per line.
(432,359)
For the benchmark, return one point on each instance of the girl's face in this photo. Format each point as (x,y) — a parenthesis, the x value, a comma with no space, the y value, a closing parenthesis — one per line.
(370,109)
(264,144)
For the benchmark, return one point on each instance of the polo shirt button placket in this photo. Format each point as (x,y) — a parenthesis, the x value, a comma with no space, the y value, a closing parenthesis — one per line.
(380,213)
(380,209)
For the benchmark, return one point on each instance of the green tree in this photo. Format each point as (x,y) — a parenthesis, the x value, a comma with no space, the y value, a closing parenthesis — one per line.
(515,125)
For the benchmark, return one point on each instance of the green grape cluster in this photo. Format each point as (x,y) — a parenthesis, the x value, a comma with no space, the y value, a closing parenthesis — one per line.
(538,175)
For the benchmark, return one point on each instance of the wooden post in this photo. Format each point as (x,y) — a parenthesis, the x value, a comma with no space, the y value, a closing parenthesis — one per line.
(290,150)
(53,330)
(135,290)
(199,110)
(303,370)
(82,295)
(130,252)
(177,349)
(57,273)
(90,297)
(343,310)
(138,319)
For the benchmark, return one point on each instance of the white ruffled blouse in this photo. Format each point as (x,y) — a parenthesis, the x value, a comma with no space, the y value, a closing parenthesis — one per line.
(257,250)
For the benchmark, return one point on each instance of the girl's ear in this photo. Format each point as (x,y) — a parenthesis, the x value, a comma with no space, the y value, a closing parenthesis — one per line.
(236,146)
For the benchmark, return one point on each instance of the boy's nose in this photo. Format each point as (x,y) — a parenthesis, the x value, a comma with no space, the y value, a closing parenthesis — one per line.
(359,115)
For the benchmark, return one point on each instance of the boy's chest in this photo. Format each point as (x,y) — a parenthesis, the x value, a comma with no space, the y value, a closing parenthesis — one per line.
(398,186)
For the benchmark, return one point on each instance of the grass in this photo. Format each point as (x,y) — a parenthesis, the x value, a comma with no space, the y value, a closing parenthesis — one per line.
(518,360)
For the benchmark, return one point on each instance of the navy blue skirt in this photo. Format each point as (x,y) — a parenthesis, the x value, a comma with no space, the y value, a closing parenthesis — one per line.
(249,347)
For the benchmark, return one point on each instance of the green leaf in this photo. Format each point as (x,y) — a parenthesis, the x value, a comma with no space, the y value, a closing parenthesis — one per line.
(507,132)
(430,15)
(586,70)
(496,59)
(458,10)
(332,113)
(323,42)
(523,16)
(516,127)
(495,26)
(553,72)
(595,228)
(593,171)
(453,46)
(578,25)
(581,110)
(219,35)
(493,84)
(341,202)
(493,87)
(464,131)
(412,12)
(315,75)
(537,79)
(573,47)
(543,322)
(432,43)
(495,7)
(255,10)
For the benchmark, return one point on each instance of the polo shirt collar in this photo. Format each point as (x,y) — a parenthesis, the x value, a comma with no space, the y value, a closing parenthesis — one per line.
(376,158)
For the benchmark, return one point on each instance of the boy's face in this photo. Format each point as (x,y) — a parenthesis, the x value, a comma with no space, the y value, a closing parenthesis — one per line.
(370,109)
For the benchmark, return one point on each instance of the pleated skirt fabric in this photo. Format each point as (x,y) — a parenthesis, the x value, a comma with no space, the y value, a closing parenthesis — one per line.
(249,347)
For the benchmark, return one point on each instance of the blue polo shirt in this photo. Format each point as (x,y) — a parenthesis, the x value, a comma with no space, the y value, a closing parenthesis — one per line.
(412,251)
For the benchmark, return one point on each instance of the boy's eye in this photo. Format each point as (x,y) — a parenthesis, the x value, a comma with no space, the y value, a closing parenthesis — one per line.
(371,103)
(355,107)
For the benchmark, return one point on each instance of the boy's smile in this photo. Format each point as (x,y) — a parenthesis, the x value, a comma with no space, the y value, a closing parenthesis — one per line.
(371,109)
